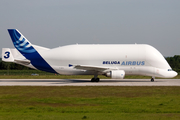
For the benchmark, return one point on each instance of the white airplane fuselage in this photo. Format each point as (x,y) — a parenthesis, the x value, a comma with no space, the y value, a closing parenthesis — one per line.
(134,59)
(113,60)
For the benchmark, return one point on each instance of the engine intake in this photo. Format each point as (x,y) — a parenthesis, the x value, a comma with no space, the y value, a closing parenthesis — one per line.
(116,74)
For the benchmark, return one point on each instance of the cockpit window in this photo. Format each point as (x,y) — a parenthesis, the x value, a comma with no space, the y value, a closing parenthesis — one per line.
(170,70)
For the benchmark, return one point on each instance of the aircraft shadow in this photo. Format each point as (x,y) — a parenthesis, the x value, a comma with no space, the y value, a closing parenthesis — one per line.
(69,81)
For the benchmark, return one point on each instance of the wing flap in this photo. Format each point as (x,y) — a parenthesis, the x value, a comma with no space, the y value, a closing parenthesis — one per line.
(94,68)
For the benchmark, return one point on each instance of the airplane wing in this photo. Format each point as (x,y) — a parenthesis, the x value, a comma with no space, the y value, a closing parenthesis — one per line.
(94,68)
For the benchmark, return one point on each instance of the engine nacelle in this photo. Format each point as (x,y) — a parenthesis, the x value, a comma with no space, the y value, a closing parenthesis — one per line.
(116,74)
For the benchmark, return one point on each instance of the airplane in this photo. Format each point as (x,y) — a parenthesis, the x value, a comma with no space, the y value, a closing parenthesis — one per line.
(111,60)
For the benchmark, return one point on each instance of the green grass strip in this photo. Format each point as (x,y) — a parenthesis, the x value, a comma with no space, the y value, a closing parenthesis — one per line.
(89,102)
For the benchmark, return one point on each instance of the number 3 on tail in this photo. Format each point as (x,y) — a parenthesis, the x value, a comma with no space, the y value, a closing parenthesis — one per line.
(7,55)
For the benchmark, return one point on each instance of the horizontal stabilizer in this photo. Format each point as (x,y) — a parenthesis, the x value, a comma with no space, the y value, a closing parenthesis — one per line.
(24,62)
(13,55)
(7,55)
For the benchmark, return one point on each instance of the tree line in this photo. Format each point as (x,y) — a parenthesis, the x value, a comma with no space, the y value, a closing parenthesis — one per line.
(174,62)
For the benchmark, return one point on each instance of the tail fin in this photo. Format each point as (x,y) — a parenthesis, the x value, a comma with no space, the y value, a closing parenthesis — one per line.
(20,42)
(29,51)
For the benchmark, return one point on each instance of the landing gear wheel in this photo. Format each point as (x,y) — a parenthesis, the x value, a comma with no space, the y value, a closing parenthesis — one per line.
(95,80)
(152,79)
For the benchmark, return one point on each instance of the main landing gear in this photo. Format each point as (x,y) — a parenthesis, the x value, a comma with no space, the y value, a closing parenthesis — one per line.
(95,79)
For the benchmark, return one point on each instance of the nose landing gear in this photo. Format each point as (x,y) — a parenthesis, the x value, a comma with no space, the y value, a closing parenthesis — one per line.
(152,79)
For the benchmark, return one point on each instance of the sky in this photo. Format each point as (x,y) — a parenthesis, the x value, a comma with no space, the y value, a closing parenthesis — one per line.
(54,23)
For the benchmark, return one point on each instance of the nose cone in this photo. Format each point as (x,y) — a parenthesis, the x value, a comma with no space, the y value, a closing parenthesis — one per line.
(167,74)
(174,73)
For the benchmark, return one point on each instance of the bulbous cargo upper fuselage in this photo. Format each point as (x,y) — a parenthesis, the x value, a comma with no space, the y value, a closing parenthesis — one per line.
(140,59)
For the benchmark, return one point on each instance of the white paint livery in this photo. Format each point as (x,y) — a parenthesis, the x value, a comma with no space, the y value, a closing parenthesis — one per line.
(111,60)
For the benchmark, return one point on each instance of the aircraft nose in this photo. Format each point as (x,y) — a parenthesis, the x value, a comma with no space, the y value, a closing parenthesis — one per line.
(169,74)
(174,73)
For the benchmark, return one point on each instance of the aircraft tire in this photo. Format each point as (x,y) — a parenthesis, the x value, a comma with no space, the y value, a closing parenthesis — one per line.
(95,80)
(152,79)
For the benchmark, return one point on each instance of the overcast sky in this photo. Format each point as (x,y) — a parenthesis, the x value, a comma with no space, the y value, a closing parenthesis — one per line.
(53,23)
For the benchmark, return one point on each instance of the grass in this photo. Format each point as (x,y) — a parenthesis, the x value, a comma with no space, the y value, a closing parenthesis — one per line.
(89,102)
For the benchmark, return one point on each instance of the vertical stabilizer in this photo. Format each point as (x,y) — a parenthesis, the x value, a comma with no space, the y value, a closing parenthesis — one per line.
(21,43)
(29,51)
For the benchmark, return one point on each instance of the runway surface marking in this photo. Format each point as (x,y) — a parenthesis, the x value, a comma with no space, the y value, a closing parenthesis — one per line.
(87,82)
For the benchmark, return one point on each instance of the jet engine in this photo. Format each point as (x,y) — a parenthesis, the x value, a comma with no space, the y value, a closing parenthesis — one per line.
(116,74)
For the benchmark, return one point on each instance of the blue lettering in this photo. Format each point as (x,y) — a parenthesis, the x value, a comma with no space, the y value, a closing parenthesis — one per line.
(7,55)
(143,63)
(134,63)
(129,63)
(111,62)
(106,62)
(138,62)
(123,63)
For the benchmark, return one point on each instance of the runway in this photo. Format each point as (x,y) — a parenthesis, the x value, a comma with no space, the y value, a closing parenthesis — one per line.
(86,82)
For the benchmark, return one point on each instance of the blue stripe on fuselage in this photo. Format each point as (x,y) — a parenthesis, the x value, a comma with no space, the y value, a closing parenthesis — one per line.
(38,62)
